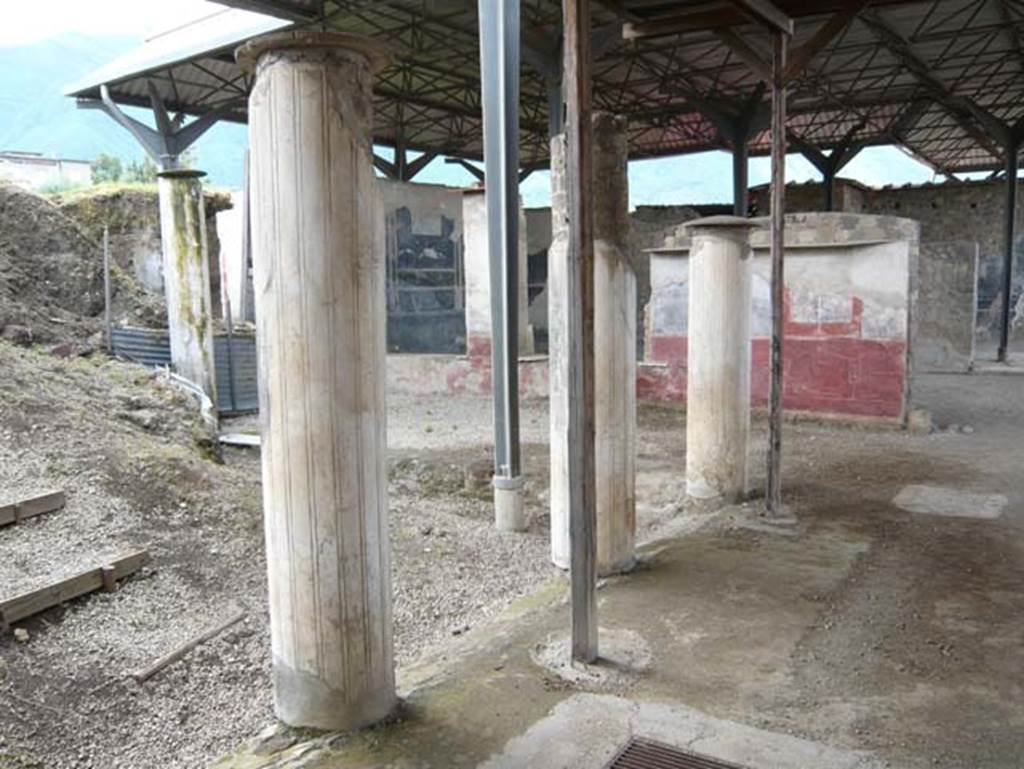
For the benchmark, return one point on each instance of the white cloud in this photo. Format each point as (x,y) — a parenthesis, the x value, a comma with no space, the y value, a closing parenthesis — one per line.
(26,23)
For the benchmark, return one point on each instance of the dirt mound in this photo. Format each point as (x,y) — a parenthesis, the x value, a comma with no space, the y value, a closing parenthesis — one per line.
(51,276)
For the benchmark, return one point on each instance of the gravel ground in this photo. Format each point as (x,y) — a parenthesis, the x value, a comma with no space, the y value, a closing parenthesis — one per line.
(133,460)
(130,454)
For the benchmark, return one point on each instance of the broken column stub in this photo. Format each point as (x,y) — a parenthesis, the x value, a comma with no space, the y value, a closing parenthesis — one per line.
(718,367)
(186,270)
(614,352)
(318,257)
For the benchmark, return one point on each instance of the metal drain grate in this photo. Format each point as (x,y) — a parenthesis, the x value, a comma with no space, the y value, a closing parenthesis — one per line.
(648,754)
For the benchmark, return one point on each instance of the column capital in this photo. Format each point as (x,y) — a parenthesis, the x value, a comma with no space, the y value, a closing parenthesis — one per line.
(723,222)
(181,173)
(309,41)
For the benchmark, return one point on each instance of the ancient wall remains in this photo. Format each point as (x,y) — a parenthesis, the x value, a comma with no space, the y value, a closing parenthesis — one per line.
(847,316)
(943,332)
(970,211)
(425,274)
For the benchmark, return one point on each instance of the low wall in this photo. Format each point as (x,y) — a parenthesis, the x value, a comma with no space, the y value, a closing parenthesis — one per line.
(848,296)
(460,375)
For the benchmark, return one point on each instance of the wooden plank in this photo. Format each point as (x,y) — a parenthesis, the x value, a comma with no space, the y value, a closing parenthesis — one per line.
(25,605)
(145,673)
(580,333)
(247,440)
(773,495)
(29,508)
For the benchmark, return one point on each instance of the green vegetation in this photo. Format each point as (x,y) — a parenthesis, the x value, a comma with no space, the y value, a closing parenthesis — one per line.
(108,169)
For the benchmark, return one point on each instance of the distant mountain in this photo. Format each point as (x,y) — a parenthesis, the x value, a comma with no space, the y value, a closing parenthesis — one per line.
(36,117)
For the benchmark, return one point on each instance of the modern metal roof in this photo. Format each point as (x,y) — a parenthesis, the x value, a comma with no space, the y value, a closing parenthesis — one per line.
(942,78)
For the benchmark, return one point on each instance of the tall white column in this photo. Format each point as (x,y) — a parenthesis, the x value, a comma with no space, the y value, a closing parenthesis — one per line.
(718,367)
(187,277)
(318,253)
(614,352)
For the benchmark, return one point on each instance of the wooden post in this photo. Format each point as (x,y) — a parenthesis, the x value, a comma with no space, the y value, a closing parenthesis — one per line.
(773,496)
(740,183)
(108,323)
(244,310)
(109,576)
(580,337)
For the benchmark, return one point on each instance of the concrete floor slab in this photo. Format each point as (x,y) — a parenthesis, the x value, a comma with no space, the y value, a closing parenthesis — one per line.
(948,502)
(866,636)
(588,730)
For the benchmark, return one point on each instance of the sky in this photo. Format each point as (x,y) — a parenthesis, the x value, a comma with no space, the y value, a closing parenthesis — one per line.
(26,23)
(702,178)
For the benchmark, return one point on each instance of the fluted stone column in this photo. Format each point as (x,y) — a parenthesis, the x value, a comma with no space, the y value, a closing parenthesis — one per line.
(718,368)
(318,254)
(614,352)
(187,277)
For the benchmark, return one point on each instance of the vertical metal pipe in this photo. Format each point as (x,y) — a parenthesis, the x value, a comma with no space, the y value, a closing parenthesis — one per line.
(1009,222)
(773,496)
(580,337)
(740,183)
(499,69)
(244,310)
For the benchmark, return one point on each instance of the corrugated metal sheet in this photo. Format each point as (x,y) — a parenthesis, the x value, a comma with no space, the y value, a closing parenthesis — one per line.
(236,375)
(148,346)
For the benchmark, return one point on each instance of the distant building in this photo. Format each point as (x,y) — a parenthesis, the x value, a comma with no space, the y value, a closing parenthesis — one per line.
(35,171)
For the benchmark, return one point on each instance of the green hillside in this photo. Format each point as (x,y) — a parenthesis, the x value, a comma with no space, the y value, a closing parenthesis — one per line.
(36,117)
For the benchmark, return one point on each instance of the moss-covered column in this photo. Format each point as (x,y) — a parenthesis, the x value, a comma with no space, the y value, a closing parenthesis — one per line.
(187,277)
(318,257)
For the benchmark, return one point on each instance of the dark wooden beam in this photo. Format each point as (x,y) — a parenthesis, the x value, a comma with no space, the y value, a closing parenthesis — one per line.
(766,12)
(684,21)
(385,167)
(773,492)
(580,332)
(413,168)
(826,33)
(478,173)
(986,129)
(753,58)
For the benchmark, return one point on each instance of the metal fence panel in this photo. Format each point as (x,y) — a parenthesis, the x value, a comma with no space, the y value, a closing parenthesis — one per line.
(236,377)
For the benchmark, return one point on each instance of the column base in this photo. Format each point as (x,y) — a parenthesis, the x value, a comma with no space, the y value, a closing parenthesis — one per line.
(623,566)
(508,504)
(703,492)
(303,700)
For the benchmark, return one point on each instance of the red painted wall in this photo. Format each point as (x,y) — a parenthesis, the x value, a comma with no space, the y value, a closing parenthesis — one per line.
(827,368)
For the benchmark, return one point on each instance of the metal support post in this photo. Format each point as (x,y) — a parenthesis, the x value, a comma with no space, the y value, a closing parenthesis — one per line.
(499,68)
(740,183)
